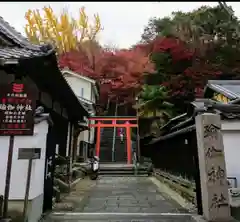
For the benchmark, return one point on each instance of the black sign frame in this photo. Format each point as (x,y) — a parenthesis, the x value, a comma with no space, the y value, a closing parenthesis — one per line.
(17,108)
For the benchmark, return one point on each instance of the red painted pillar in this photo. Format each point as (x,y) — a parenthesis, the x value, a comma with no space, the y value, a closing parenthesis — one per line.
(98,138)
(129,150)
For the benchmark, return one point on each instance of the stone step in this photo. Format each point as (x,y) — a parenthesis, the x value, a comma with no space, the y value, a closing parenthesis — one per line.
(118,171)
(112,169)
(120,152)
(123,217)
(119,168)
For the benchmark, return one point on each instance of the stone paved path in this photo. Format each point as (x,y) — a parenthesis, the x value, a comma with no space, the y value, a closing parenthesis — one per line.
(123,199)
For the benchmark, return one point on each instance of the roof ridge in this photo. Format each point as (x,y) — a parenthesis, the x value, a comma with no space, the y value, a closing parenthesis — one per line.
(11,33)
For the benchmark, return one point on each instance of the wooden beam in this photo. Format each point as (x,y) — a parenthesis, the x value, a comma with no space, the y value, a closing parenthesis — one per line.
(129,145)
(113,119)
(98,142)
(113,125)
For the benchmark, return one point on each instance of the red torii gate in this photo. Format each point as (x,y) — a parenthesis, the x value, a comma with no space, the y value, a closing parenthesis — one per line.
(127,125)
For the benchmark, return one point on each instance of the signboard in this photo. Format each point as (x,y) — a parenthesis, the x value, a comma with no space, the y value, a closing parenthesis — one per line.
(17,107)
(29,153)
(234,197)
(221,98)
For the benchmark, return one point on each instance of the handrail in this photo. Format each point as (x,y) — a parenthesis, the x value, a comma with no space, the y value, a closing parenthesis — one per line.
(60,157)
(135,163)
(184,187)
(1,206)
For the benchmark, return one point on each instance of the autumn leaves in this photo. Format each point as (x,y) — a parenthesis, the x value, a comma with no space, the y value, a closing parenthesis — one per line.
(64,31)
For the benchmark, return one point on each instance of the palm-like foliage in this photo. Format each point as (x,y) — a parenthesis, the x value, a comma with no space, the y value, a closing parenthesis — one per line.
(152,102)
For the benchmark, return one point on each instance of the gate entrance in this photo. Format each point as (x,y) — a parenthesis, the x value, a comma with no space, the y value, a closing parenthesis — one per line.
(126,124)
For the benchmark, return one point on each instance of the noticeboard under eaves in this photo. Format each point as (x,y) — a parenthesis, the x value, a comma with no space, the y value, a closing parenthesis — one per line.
(17,108)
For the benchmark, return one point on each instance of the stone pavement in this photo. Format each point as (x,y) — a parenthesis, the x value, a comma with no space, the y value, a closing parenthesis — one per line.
(123,199)
(72,200)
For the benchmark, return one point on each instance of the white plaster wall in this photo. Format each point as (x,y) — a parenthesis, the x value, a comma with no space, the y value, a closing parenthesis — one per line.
(76,85)
(83,136)
(92,131)
(68,139)
(231,141)
(231,125)
(19,167)
(93,99)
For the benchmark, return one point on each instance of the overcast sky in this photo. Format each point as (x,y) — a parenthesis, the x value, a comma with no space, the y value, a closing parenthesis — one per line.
(123,22)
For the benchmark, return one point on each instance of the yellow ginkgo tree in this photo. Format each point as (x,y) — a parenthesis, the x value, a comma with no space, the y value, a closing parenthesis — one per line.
(64,31)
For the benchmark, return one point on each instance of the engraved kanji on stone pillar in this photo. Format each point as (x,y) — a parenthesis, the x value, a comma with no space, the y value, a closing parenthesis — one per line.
(214,186)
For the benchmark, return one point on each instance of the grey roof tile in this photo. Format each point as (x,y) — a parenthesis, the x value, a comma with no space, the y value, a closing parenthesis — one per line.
(229,88)
(18,47)
(18,53)
(22,47)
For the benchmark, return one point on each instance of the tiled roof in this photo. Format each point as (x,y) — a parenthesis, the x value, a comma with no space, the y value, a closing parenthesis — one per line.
(227,111)
(88,105)
(229,88)
(20,47)
(15,47)
(18,53)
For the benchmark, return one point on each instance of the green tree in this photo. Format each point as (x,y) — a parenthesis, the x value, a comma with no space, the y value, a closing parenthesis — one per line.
(152,104)
(209,33)
(203,25)
(157,27)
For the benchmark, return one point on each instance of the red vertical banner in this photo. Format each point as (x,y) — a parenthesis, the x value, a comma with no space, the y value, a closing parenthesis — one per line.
(129,150)
(98,138)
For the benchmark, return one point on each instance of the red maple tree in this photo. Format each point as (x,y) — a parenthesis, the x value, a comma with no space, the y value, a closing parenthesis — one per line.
(119,73)
(188,71)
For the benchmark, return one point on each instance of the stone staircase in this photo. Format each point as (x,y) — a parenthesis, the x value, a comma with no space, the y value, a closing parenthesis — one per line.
(120,152)
(120,148)
(114,169)
(106,145)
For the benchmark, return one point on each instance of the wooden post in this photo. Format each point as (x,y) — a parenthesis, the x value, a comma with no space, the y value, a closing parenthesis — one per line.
(214,186)
(126,125)
(8,177)
(129,150)
(98,138)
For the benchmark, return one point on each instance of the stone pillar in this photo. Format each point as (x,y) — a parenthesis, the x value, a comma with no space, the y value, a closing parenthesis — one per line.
(214,186)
